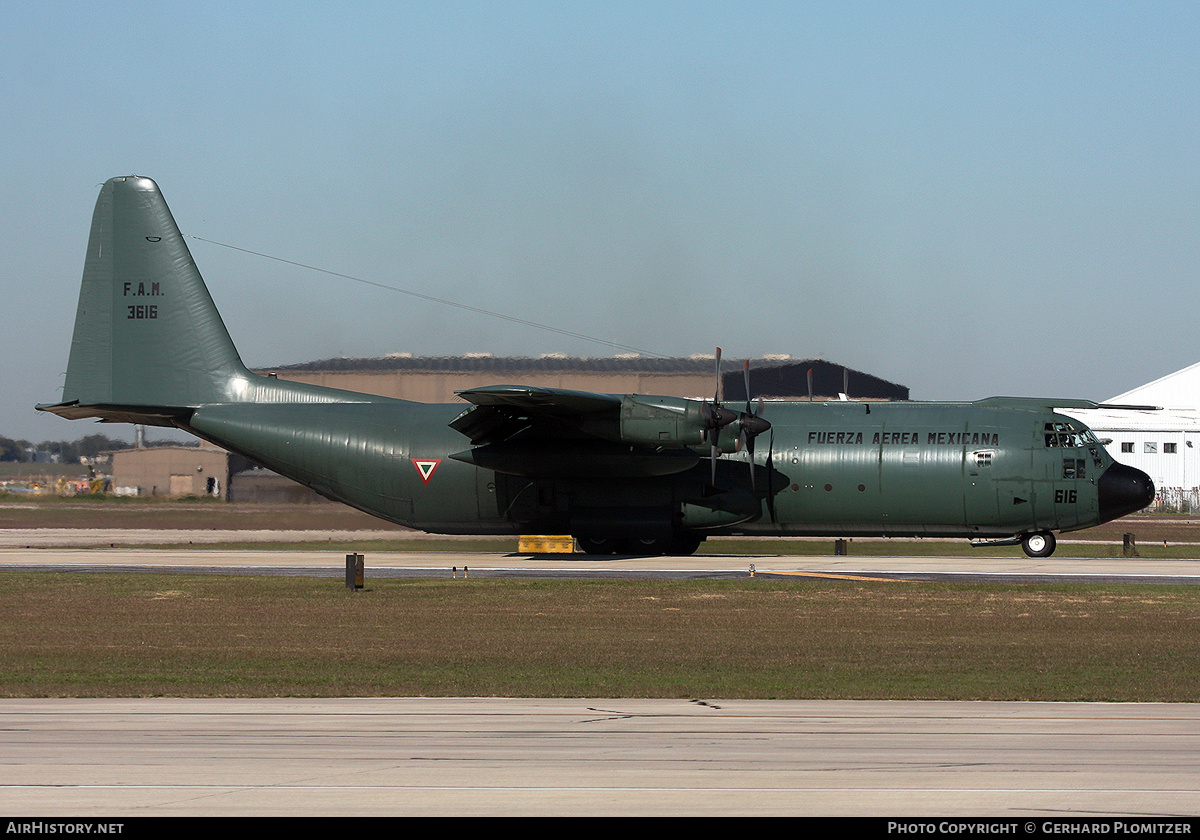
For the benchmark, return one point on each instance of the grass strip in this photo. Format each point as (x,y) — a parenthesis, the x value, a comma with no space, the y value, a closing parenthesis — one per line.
(213,636)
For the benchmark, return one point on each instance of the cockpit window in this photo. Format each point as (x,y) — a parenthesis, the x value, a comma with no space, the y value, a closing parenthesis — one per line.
(1068,435)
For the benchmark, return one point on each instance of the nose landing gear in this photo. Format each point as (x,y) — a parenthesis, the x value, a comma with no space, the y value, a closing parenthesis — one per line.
(1041,544)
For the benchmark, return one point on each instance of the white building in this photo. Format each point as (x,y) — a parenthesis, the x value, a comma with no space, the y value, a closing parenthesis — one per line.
(1164,443)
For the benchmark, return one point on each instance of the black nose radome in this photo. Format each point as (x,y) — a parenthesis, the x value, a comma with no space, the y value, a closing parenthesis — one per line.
(1123,490)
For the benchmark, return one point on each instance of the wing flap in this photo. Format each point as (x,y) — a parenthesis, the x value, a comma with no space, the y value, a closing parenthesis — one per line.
(549,400)
(501,411)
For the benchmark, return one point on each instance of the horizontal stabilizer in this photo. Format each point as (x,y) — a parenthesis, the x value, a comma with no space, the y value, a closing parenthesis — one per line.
(140,415)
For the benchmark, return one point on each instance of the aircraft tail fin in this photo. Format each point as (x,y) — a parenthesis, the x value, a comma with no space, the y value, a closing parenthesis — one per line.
(149,345)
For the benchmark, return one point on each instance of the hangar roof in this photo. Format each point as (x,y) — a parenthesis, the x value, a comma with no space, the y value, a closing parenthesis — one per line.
(777,376)
(507,364)
(1180,389)
(1178,395)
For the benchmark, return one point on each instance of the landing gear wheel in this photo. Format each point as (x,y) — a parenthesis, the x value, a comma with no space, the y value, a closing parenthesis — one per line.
(603,545)
(1038,545)
(677,544)
(684,544)
(654,547)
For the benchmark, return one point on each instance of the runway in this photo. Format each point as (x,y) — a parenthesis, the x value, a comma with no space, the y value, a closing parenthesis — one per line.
(596,757)
(1016,569)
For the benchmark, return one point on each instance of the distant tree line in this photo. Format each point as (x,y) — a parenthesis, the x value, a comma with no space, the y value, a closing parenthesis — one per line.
(67,451)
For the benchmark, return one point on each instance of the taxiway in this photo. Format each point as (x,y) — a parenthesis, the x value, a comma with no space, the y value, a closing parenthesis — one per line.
(433,563)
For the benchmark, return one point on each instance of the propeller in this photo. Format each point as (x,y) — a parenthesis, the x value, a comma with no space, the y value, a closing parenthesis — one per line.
(752,424)
(716,417)
(771,477)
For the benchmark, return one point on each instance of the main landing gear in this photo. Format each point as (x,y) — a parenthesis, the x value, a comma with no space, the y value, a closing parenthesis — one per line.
(1040,544)
(679,544)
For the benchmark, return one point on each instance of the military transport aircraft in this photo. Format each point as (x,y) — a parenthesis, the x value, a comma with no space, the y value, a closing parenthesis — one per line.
(622,473)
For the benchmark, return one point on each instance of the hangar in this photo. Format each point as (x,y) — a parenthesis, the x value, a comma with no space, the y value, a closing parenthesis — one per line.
(202,470)
(1165,444)
(434,379)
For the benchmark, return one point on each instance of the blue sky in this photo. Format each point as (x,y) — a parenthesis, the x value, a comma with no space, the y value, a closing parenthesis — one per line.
(966,198)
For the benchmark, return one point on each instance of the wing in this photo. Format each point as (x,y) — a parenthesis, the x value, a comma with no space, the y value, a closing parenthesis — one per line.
(502,411)
(556,432)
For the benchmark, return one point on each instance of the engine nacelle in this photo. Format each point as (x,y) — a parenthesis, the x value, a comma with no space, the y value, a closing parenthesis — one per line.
(662,421)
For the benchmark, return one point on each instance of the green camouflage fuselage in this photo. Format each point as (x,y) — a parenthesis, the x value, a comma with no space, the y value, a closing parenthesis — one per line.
(841,468)
(149,347)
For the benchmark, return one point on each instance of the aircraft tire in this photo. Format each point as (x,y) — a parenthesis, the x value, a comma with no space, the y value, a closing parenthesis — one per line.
(683,545)
(603,545)
(1041,544)
(679,544)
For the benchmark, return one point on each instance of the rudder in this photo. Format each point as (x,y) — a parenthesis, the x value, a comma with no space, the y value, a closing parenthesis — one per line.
(149,346)
(147,333)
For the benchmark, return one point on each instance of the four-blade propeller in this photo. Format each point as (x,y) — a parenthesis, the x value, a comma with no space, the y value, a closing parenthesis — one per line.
(750,423)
